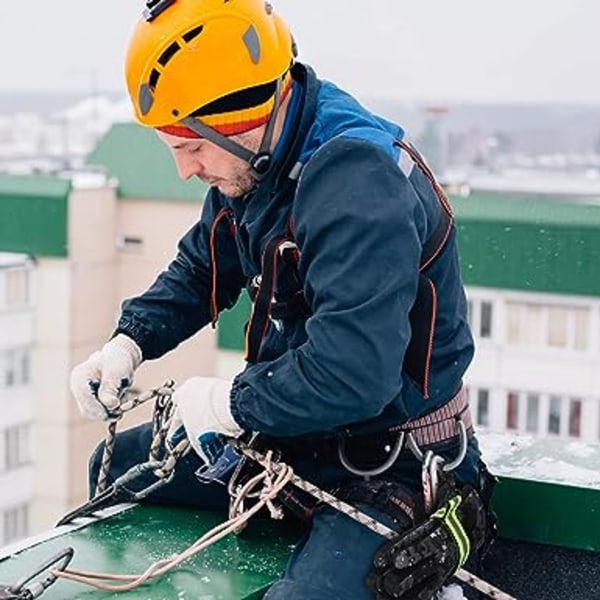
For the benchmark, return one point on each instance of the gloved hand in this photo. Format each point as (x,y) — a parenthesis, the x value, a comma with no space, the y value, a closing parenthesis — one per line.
(202,413)
(416,564)
(99,383)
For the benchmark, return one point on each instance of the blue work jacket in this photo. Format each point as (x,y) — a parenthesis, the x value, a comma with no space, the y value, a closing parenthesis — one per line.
(360,223)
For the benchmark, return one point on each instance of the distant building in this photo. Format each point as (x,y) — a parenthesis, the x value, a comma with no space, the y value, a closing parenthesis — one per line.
(89,242)
(433,141)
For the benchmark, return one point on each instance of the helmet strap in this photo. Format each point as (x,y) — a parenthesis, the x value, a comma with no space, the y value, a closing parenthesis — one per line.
(260,162)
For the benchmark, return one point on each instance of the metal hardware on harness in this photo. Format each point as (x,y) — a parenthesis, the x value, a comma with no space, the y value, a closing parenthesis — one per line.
(411,444)
(391,459)
(448,466)
(22,591)
(430,474)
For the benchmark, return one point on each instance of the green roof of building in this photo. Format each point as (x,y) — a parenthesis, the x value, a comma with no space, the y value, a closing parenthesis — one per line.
(527,208)
(33,214)
(529,243)
(142,165)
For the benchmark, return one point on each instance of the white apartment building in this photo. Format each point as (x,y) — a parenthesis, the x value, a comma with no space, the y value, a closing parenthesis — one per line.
(16,405)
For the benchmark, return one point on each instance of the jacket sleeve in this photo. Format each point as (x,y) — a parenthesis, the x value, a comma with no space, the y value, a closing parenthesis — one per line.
(359,227)
(177,304)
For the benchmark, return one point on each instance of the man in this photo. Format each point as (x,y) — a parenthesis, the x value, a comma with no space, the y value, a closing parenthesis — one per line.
(358,329)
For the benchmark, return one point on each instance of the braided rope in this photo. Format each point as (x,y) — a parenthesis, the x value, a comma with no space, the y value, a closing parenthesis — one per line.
(360,517)
(272,485)
(161,418)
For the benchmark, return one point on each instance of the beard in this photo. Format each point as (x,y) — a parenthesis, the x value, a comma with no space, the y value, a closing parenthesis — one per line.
(238,184)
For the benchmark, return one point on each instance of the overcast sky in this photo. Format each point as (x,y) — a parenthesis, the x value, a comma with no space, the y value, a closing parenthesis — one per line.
(434,50)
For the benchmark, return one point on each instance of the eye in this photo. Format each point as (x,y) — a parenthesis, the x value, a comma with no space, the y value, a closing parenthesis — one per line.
(196,148)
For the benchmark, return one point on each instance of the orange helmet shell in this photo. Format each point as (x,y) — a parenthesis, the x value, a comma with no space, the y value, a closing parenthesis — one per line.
(198,51)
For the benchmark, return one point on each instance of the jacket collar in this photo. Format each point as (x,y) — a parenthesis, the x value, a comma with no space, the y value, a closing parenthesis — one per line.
(302,114)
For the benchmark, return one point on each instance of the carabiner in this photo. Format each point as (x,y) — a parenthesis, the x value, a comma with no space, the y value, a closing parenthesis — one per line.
(22,591)
(391,459)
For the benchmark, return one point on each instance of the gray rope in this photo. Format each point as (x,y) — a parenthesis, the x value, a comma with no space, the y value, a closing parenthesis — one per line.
(162,468)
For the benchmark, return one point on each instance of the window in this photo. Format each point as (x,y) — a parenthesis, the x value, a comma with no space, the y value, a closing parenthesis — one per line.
(15,522)
(17,287)
(485,327)
(512,410)
(557,326)
(483,407)
(470,313)
(16,367)
(575,418)
(17,451)
(581,326)
(533,408)
(554,415)
(513,322)
(533,326)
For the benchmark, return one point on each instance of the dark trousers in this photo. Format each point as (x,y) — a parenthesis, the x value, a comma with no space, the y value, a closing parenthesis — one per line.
(333,559)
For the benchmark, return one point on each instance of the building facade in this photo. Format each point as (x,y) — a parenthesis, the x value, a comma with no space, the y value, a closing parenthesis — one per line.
(16,402)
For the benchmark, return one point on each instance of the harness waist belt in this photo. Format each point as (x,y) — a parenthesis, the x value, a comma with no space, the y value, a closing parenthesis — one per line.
(438,427)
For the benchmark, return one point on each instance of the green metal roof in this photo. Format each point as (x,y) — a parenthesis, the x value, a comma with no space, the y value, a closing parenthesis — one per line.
(142,165)
(33,214)
(531,209)
(529,243)
(235,568)
(42,186)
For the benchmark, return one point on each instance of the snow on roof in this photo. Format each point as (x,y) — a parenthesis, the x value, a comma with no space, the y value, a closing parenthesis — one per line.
(521,456)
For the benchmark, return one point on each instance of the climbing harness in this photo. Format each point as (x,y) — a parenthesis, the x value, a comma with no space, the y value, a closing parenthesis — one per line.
(437,465)
(161,461)
(24,590)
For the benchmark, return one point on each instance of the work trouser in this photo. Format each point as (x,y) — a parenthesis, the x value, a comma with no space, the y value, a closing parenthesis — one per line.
(333,559)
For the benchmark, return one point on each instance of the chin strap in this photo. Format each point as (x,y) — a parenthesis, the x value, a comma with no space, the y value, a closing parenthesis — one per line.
(260,162)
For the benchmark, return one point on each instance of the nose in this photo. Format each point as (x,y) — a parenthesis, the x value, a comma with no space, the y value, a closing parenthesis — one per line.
(187,166)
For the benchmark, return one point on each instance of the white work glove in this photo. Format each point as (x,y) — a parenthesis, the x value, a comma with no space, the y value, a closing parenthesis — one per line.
(100,382)
(202,413)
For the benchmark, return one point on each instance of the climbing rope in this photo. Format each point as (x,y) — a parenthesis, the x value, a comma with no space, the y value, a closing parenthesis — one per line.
(273,480)
(161,462)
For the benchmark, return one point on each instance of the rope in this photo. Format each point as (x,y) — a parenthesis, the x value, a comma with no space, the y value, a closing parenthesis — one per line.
(161,418)
(364,519)
(271,487)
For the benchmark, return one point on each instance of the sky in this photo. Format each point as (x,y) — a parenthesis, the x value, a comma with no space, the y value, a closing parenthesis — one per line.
(422,50)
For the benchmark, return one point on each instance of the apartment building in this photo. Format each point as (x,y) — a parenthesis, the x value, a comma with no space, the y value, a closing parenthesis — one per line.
(86,242)
(528,260)
(16,343)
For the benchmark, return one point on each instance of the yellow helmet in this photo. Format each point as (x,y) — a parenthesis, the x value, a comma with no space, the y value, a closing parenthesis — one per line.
(222,62)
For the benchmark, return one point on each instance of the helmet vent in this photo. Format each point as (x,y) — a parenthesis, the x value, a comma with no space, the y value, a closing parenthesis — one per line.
(241,100)
(154,77)
(252,44)
(192,33)
(168,54)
